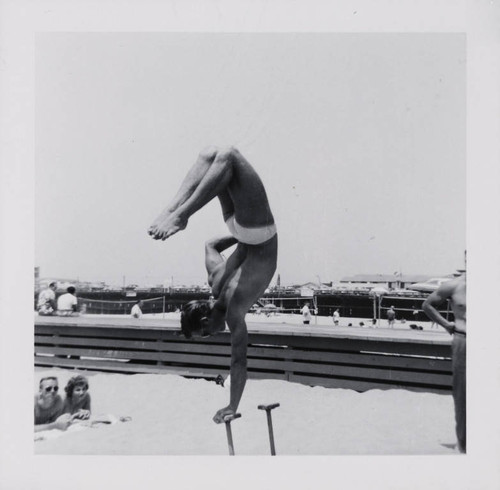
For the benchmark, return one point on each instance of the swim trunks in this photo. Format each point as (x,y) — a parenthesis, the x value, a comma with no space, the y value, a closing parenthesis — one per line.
(250,236)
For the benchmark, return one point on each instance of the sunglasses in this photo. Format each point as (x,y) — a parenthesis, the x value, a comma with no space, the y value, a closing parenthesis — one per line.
(51,388)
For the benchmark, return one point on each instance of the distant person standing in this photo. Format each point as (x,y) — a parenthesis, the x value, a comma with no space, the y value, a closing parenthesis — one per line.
(455,292)
(391,316)
(415,314)
(47,300)
(67,304)
(136,311)
(336,317)
(306,314)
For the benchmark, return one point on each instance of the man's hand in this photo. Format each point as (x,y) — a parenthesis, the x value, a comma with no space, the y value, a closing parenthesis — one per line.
(450,328)
(223,412)
(63,421)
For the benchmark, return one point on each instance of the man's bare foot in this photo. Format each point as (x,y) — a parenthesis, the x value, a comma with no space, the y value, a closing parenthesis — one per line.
(166,226)
(164,215)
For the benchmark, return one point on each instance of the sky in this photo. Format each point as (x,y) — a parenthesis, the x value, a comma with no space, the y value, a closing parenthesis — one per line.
(358,138)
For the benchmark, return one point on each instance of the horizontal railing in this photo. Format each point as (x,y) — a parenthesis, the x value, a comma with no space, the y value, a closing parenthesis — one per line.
(319,359)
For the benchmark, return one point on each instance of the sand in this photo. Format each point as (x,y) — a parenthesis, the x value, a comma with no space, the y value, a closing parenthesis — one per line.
(171,415)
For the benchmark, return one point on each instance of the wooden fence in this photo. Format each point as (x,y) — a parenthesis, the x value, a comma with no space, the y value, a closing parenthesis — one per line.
(318,359)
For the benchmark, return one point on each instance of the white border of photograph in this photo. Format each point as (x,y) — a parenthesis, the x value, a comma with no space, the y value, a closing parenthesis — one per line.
(21,19)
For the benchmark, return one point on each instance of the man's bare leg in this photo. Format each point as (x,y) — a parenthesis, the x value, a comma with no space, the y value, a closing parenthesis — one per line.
(188,186)
(193,197)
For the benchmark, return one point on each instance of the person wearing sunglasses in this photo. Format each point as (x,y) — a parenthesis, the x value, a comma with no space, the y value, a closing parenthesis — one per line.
(77,402)
(49,406)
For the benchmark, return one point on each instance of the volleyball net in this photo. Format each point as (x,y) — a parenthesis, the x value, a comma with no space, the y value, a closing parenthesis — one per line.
(268,306)
(124,307)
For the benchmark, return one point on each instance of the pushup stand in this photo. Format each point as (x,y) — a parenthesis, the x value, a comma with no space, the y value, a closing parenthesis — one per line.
(268,409)
(227,420)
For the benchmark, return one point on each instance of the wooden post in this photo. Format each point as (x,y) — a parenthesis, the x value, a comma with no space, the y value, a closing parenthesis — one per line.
(374,307)
(379,311)
(227,420)
(268,409)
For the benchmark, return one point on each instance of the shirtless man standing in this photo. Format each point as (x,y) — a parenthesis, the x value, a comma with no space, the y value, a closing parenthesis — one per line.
(238,282)
(455,291)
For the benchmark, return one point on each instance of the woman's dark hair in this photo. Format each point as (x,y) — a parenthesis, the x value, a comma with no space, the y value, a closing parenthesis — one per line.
(73,383)
(192,314)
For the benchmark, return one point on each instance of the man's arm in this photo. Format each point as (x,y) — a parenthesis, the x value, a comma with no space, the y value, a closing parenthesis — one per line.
(436,299)
(239,345)
(213,249)
(61,423)
(239,342)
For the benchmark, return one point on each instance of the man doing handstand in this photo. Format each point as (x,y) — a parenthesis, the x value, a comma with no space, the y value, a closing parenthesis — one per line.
(238,282)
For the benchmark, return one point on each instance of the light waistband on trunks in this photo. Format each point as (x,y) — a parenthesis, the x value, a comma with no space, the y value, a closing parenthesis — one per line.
(250,236)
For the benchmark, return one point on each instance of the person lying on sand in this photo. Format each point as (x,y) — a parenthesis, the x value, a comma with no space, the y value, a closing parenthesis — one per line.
(49,406)
(238,282)
(77,402)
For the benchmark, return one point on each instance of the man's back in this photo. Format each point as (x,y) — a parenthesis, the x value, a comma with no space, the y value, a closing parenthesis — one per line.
(66,302)
(45,296)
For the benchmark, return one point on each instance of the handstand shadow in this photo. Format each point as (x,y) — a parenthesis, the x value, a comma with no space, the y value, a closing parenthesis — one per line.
(450,446)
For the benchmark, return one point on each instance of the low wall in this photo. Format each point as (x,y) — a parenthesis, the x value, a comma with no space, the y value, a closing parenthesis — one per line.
(315,357)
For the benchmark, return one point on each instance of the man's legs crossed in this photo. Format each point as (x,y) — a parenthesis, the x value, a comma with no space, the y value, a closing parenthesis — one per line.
(192,179)
(209,177)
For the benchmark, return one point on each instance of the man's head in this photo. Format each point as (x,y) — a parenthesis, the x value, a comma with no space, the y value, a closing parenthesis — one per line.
(195,318)
(53,286)
(77,387)
(48,387)
(71,290)
(140,303)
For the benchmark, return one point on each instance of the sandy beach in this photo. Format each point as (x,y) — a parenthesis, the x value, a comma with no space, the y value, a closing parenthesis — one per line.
(171,415)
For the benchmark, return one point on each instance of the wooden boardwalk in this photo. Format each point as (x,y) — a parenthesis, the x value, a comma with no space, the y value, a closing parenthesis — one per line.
(341,357)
